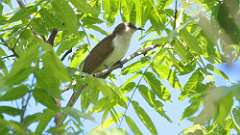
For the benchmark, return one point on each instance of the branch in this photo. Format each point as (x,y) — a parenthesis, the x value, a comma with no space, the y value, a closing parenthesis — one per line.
(132,56)
(77,93)
(20,3)
(52,36)
(66,54)
(7,56)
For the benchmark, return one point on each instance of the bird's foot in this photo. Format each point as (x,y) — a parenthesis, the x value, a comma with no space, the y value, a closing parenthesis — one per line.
(119,63)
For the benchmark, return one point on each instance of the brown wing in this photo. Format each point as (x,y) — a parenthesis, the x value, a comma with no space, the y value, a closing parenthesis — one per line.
(98,54)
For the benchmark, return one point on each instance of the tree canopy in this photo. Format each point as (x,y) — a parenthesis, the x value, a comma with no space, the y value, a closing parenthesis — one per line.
(44,42)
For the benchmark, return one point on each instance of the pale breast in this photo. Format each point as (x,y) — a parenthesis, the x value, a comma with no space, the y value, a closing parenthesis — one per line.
(121,45)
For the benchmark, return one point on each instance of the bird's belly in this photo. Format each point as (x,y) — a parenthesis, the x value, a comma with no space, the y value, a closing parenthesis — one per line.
(121,45)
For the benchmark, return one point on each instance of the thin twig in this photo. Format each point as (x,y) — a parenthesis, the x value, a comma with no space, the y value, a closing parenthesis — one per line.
(26,102)
(77,93)
(20,3)
(131,97)
(66,54)
(5,57)
(52,36)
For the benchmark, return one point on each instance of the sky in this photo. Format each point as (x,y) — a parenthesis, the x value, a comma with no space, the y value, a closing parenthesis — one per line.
(174,109)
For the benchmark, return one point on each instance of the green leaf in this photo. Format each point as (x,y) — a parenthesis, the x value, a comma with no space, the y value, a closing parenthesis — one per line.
(139,6)
(66,14)
(14,93)
(143,116)
(136,66)
(2,52)
(192,83)
(15,127)
(44,119)
(132,125)
(110,9)
(42,96)
(191,41)
(21,68)
(191,109)
(225,105)
(10,110)
(70,41)
(23,13)
(217,71)
(236,117)
(79,56)
(152,101)
(83,6)
(39,26)
(52,63)
(157,87)
(30,119)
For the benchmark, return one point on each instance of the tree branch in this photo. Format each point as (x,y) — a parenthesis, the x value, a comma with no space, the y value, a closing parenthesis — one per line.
(20,3)
(12,55)
(66,54)
(52,36)
(132,56)
(77,93)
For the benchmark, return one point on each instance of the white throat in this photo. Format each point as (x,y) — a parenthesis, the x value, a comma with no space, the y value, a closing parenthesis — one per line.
(121,45)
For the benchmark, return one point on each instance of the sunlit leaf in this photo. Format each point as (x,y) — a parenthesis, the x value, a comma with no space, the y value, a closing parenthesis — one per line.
(152,101)
(14,93)
(44,119)
(10,110)
(157,87)
(236,117)
(144,117)
(132,125)
(66,14)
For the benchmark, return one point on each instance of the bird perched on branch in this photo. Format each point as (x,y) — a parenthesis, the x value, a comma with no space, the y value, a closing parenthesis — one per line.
(110,50)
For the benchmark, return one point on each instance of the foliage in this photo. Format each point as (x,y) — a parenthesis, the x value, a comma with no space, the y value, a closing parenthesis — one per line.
(193,36)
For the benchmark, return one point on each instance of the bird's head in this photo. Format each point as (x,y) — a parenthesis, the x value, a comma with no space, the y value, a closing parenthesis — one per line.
(126,28)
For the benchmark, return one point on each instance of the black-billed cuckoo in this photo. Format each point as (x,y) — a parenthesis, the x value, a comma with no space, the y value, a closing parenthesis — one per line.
(111,49)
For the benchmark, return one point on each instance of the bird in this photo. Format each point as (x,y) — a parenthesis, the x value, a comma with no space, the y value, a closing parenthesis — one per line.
(111,49)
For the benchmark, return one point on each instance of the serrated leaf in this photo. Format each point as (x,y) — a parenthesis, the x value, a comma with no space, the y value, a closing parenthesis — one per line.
(14,93)
(236,117)
(70,41)
(23,13)
(66,15)
(225,105)
(152,101)
(21,68)
(110,121)
(191,41)
(190,110)
(44,119)
(157,86)
(15,127)
(10,110)
(133,126)
(135,67)
(41,96)
(84,7)
(139,6)
(144,117)
(2,52)
(217,71)
(79,56)
(192,83)
(28,120)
